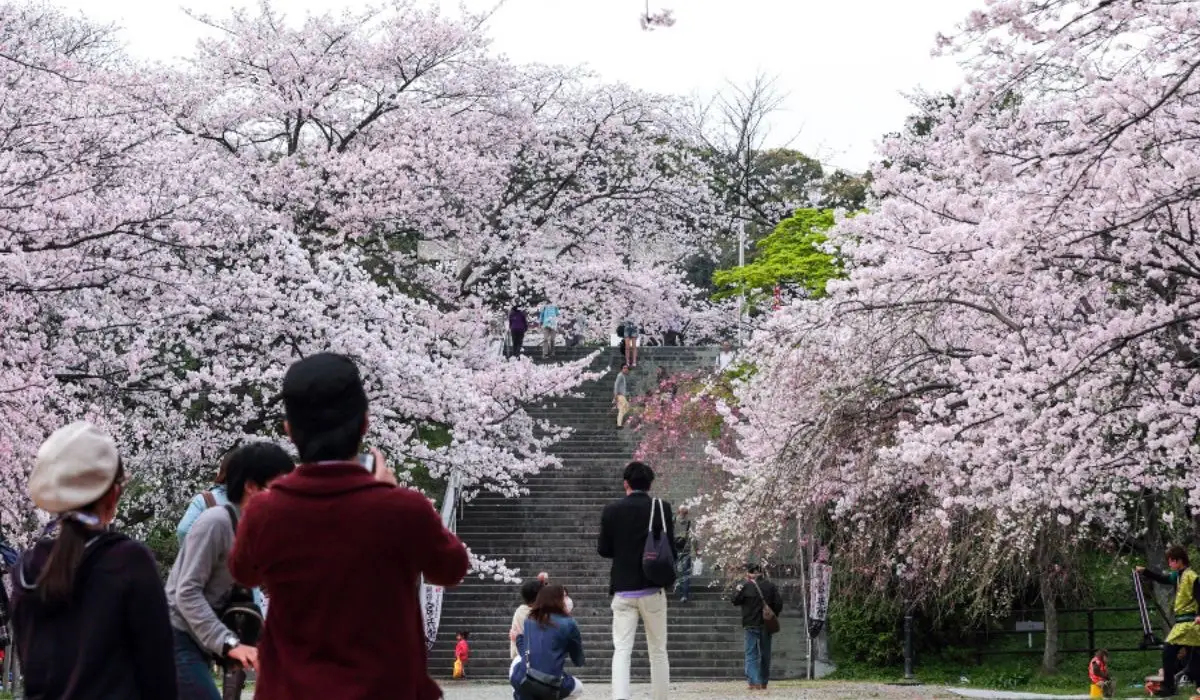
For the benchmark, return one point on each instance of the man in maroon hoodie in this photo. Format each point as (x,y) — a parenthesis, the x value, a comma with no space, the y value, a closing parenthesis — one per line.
(341,551)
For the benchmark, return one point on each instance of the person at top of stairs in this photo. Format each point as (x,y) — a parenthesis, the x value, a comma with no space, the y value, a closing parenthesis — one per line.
(548,319)
(629,333)
(518,323)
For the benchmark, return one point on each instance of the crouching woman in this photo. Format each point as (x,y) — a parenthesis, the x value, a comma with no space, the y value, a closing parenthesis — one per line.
(548,638)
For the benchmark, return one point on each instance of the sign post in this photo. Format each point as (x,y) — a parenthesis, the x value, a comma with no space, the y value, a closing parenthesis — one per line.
(818,607)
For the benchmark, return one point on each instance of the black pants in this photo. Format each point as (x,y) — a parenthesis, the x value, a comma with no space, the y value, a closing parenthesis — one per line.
(674,339)
(518,339)
(1172,665)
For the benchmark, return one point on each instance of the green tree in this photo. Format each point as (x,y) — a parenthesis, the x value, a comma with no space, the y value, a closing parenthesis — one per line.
(794,254)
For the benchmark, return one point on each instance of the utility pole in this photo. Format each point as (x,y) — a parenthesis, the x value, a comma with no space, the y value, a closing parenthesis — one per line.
(742,294)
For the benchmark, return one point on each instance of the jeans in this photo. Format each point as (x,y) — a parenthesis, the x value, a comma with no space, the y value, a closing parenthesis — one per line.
(683,584)
(758,656)
(652,610)
(193,670)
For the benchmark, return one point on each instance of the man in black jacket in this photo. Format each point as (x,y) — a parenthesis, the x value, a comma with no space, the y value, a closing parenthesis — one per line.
(750,595)
(623,529)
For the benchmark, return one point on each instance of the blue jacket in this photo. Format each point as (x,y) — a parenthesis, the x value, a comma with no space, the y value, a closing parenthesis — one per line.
(198,506)
(550,646)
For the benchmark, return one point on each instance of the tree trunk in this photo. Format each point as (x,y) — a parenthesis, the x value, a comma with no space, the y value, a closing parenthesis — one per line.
(1050,653)
(1156,558)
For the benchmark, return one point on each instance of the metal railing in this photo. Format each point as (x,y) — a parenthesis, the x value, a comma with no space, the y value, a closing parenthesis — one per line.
(432,596)
(984,636)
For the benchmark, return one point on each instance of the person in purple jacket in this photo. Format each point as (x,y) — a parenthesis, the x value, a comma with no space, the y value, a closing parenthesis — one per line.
(518,323)
(89,612)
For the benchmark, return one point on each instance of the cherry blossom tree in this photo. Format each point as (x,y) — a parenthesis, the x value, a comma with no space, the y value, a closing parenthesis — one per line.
(175,237)
(1009,371)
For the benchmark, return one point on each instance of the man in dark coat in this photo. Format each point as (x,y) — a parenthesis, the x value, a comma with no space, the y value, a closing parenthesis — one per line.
(623,529)
(750,595)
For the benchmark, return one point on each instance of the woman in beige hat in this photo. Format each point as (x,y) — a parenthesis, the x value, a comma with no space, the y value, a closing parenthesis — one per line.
(89,611)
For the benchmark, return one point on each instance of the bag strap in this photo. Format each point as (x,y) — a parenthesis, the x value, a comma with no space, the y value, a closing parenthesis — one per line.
(233,516)
(656,506)
(762,597)
(210,501)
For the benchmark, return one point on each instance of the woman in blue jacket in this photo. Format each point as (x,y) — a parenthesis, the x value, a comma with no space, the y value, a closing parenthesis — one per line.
(550,636)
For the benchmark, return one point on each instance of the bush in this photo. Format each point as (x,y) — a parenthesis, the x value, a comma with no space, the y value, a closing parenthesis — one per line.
(865,633)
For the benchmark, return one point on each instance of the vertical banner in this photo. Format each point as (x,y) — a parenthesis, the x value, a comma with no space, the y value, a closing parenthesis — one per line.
(431,611)
(818,597)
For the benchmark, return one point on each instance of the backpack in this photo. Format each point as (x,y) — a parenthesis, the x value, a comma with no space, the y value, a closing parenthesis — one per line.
(241,614)
(210,501)
(658,561)
(770,618)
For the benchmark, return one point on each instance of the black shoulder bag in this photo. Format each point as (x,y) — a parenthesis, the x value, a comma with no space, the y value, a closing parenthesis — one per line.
(537,685)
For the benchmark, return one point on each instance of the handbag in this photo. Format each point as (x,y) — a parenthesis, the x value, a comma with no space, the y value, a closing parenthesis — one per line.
(770,618)
(537,685)
(658,561)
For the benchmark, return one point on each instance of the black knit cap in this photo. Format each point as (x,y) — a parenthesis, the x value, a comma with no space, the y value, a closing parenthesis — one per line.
(322,391)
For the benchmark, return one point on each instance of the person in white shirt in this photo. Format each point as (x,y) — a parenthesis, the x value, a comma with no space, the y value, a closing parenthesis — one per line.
(726,357)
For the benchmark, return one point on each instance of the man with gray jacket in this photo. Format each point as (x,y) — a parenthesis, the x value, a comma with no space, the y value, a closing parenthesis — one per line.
(200,584)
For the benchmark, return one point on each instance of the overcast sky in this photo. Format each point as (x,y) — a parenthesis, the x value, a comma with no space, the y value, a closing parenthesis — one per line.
(844,66)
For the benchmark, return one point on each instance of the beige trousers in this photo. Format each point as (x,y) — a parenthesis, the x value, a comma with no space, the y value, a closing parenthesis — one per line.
(622,409)
(652,610)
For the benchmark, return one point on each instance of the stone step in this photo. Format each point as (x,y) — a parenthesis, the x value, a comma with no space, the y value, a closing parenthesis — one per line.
(706,640)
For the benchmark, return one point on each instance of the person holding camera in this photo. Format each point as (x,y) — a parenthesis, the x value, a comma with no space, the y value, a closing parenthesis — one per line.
(200,587)
(342,550)
(761,604)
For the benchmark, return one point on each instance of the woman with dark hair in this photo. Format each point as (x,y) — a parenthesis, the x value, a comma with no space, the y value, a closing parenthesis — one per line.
(550,636)
(89,611)
(216,496)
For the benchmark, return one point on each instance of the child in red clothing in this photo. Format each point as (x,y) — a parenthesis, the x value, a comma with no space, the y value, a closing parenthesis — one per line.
(462,652)
(1098,673)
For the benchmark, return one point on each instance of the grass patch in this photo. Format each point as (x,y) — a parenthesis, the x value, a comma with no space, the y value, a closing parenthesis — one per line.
(1003,660)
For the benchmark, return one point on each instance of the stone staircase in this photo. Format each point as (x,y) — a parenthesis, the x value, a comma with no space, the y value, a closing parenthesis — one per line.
(554,529)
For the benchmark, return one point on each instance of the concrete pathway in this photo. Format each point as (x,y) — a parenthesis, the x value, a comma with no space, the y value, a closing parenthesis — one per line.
(1008,695)
(786,690)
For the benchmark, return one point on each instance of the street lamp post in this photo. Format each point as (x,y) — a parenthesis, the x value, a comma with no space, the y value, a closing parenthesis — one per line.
(742,294)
